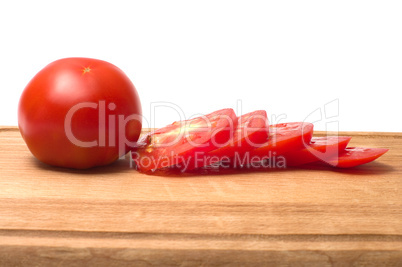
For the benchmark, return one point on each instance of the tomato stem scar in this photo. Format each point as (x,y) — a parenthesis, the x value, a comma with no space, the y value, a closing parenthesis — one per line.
(86,70)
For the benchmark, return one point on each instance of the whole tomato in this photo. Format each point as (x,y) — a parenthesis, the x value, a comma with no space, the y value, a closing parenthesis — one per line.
(79,113)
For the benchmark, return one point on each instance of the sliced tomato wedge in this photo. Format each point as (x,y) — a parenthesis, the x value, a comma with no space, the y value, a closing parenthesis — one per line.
(252,131)
(179,142)
(355,156)
(282,138)
(319,148)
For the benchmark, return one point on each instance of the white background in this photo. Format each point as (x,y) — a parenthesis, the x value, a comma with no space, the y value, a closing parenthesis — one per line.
(291,58)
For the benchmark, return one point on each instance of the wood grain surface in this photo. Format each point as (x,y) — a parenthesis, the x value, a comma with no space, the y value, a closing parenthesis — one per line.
(115,216)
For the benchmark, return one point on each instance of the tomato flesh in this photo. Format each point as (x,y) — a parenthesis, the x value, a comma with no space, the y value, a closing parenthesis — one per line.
(284,137)
(355,156)
(320,148)
(179,142)
(251,131)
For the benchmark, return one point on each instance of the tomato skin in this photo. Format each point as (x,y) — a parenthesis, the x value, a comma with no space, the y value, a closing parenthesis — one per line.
(355,156)
(320,148)
(71,114)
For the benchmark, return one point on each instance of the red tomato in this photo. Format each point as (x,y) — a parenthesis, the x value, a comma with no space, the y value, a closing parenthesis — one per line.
(183,141)
(282,138)
(354,156)
(79,113)
(252,130)
(320,148)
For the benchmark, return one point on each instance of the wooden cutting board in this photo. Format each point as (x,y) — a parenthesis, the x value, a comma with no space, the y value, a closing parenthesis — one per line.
(114,215)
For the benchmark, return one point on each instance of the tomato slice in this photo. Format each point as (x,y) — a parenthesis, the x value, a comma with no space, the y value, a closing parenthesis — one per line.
(252,131)
(282,138)
(179,142)
(354,156)
(320,148)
